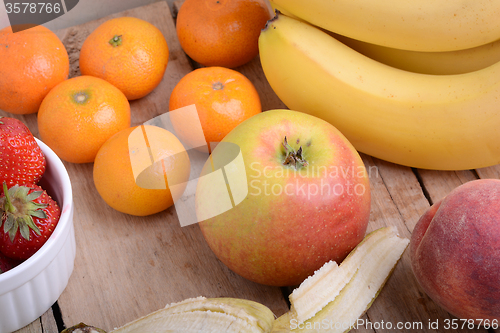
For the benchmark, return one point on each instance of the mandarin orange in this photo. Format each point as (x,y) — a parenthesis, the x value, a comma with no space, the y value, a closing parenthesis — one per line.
(33,61)
(221,32)
(127,180)
(223,98)
(78,115)
(128,52)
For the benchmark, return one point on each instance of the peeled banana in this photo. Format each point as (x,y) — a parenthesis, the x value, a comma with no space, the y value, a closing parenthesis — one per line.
(318,290)
(424,25)
(369,265)
(445,122)
(440,63)
(325,284)
(207,315)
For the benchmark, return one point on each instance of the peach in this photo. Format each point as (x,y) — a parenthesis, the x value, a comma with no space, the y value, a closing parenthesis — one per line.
(455,251)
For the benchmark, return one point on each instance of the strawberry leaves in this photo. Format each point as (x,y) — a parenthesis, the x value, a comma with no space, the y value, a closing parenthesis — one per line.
(22,219)
(29,217)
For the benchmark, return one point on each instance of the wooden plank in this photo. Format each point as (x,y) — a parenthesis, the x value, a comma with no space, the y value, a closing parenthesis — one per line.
(175,7)
(492,172)
(127,266)
(45,324)
(439,183)
(48,322)
(399,200)
(383,213)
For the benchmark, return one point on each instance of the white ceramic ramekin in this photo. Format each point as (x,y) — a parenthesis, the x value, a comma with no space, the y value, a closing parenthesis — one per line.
(30,289)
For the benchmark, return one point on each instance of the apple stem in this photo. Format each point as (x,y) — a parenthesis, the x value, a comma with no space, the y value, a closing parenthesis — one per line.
(292,157)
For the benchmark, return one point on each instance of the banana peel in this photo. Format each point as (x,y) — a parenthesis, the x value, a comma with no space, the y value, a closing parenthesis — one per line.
(321,288)
(331,300)
(369,266)
(205,315)
(82,328)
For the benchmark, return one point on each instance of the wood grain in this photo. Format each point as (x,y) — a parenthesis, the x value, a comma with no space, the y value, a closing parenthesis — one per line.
(130,266)
(127,266)
(399,200)
(45,324)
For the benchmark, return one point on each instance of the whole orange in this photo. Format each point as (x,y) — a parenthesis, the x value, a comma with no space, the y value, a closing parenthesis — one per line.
(129,182)
(78,115)
(128,52)
(223,98)
(32,62)
(221,32)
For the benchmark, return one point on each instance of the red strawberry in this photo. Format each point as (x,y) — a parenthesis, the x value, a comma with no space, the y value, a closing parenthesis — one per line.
(7,264)
(29,216)
(21,159)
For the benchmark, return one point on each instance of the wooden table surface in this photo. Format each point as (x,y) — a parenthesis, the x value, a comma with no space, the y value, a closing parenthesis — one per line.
(127,266)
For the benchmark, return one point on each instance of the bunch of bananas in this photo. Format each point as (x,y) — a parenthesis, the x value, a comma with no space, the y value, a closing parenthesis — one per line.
(413,83)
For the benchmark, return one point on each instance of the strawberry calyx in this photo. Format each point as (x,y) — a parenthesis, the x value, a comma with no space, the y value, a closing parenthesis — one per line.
(18,209)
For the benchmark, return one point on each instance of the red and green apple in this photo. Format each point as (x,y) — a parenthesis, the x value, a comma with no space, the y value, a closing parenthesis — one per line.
(306,198)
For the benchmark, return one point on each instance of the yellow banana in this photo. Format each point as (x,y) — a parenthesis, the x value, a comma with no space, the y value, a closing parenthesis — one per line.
(445,122)
(424,25)
(276,7)
(441,63)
